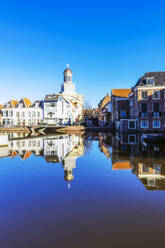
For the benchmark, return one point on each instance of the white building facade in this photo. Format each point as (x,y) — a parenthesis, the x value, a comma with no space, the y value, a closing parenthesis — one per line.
(64,108)
(22,113)
(57,110)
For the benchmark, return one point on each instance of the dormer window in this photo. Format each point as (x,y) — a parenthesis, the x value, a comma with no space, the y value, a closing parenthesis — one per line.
(20,105)
(150,81)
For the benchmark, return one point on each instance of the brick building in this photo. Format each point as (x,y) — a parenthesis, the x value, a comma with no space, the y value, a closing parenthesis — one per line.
(104,110)
(120,104)
(147,104)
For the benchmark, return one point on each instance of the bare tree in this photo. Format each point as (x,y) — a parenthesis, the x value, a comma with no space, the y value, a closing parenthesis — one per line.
(87,109)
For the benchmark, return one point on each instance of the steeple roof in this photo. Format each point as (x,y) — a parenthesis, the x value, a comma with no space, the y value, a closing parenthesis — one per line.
(68,69)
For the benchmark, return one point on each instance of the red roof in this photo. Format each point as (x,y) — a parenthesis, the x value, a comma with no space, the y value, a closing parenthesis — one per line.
(121,165)
(121,92)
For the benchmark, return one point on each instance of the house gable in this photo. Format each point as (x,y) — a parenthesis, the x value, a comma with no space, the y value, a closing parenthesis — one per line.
(159,79)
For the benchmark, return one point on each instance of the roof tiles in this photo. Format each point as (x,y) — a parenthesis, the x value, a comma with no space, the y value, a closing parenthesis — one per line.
(121,92)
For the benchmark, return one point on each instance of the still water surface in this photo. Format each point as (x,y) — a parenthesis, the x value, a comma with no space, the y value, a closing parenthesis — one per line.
(75,191)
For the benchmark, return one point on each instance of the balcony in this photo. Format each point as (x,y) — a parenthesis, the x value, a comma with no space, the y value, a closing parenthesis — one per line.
(143,114)
(156,114)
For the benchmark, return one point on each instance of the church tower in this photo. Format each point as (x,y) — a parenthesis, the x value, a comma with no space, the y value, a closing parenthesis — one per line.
(69,93)
(68,88)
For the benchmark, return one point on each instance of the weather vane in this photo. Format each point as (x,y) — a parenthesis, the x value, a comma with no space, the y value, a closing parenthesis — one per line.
(67,65)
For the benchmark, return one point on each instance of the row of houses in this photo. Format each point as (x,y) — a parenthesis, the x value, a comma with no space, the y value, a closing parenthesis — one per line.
(140,108)
(56,109)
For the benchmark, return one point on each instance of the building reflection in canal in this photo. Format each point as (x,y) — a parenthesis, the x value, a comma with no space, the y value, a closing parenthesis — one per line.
(64,149)
(124,151)
(129,152)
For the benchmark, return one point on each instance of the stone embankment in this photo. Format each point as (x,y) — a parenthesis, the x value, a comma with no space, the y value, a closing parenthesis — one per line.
(51,129)
(14,129)
(48,129)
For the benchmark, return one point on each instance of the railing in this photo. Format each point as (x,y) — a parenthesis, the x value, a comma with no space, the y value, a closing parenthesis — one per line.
(151,114)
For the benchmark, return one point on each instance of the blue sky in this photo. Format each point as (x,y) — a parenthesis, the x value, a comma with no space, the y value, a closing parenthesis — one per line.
(108,44)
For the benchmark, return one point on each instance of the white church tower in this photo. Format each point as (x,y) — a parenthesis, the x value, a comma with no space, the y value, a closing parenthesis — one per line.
(68,88)
(69,93)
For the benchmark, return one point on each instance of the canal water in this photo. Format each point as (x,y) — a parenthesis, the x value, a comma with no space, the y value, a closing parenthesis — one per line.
(86,191)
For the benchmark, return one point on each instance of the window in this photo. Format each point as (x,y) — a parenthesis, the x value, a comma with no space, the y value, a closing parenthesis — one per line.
(23,143)
(144,124)
(123,113)
(52,104)
(144,95)
(150,81)
(156,108)
(156,94)
(20,105)
(69,78)
(131,124)
(145,168)
(151,182)
(156,124)
(144,109)
(38,114)
(131,139)
(157,169)
(33,143)
(29,114)
(33,114)
(23,114)
(131,102)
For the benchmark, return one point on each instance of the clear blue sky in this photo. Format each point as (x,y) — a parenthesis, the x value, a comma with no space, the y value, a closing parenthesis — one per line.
(108,44)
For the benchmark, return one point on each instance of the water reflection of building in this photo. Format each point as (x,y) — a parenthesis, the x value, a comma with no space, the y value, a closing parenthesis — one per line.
(65,149)
(146,160)
(56,148)
(151,172)
(104,144)
(69,163)
(24,148)
(121,165)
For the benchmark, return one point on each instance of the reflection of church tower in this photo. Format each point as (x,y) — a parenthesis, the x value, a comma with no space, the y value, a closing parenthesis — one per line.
(69,164)
(68,177)
(68,87)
